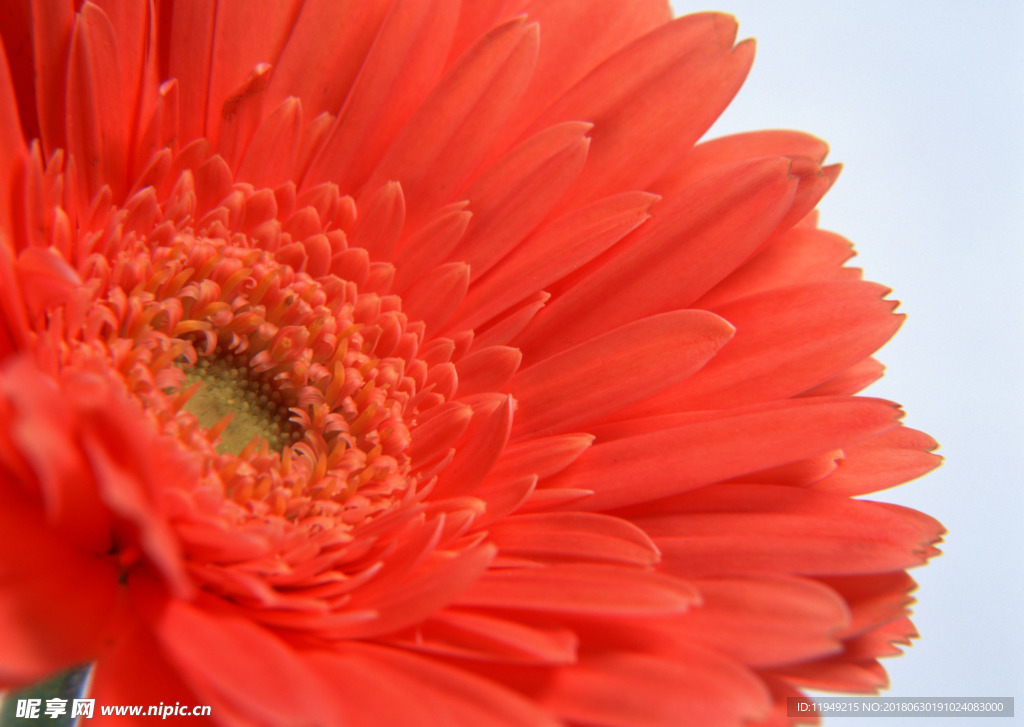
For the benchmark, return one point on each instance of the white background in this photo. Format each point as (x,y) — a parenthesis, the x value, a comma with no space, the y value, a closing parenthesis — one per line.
(923,102)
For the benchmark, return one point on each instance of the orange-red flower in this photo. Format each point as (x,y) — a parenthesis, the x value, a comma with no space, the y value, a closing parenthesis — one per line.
(397,362)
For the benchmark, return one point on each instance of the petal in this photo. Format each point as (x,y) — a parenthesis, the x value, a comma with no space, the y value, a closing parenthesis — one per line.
(233,660)
(757,528)
(503,496)
(766,620)
(800,255)
(51,32)
(13,150)
(132,24)
(543,456)
(580,589)
(515,194)
(691,242)
(487,369)
(493,638)
(434,154)
(351,26)
(17,71)
(688,66)
(15,327)
(383,216)
(96,121)
(853,380)
(269,158)
(135,671)
(620,689)
(43,423)
(717,446)
(413,599)
(240,114)
(405,61)
(58,604)
(577,536)
(430,244)
(387,687)
(787,341)
(554,251)
(612,371)
(437,295)
(432,438)
(478,449)
(874,599)
(506,327)
(608,26)
(710,157)
(210,54)
(892,458)
(46,278)
(838,674)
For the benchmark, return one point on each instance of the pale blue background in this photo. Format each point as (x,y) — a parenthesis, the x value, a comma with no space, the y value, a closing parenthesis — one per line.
(924,104)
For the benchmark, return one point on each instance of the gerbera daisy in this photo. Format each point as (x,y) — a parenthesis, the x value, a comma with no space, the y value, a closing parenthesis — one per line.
(398,362)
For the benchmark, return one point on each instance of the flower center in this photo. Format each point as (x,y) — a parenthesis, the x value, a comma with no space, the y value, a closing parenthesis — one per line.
(229,387)
(299,391)
(283,365)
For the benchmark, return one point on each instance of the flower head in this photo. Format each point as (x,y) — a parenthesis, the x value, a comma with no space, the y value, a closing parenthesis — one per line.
(397,362)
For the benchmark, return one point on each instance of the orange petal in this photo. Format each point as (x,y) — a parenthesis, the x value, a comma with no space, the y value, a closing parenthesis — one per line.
(710,157)
(413,599)
(628,364)
(58,605)
(388,686)
(683,74)
(487,369)
(691,242)
(553,251)
(757,528)
(271,155)
(853,380)
(608,26)
(787,341)
(892,458)
(382,218)
(515,194)
(578,536)
(478,449)
(233,660)
(437,294)
(96,119)
(432,438)
(405,61)
(51,32)
(136,670)
(240,113)
(478,635)
(621,688)
(430,244)
(12,150)
(719,445)
(245,36)
(766,620)
(444,141)
(801,255)
(351,26)
(581,589)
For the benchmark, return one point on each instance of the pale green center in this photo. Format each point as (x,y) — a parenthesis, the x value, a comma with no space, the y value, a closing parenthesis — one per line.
(229,386)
